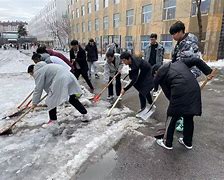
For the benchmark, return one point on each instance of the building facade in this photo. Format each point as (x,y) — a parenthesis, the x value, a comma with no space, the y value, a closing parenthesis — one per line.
(130,22)
(9,31)
(47,25)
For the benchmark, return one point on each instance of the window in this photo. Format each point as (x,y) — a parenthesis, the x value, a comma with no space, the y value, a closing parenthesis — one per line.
(144,41)
(77,28)
(116,20)
(205,4)
(83,27)
(129,43)
(97,27)
(97,5)
(105,3)
(77,13)
(116,39)
(105,22)
(89,7)
(73,14)
(167,42)
(89,26)
(83,10)
(116,1)
(169,9)
(97,40)
(146,13)
(129,17)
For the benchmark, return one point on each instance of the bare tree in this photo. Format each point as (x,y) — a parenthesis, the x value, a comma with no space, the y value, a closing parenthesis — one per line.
(198,4)
(59,29)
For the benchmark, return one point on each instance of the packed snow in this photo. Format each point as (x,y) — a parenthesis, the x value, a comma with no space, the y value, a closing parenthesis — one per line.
(60,151)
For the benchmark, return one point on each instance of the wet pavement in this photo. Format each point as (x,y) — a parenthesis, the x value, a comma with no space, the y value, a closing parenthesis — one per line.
(138,157)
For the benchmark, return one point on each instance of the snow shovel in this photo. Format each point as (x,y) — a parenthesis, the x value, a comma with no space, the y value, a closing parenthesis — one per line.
(116,100)
(97,97)
(161,132)
(8,128)
(149,112)
(17,112)
(109,113)
(25,100)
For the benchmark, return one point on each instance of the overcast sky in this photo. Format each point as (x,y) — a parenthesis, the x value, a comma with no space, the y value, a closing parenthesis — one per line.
(21,10)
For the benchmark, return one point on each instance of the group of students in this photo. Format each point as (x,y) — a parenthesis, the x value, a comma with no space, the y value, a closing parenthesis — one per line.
(58,77)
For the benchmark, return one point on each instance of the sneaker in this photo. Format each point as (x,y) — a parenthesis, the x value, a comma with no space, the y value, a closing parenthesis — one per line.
(161,143)
(86,118)
(49,123)
(110,97)
(97,76)
(120,99)
(181,141)
(180,126)
(155,93)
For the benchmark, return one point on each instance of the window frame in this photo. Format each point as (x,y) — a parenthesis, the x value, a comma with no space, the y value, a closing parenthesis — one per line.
(128,17)
(89,8)
(97,24)
(116,20)
(164,42)
(105,27)
(144,14)
(166,9)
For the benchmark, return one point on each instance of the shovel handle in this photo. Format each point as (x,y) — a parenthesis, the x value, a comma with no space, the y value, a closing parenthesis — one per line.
(25,100)
(28,110)
(108,84)
(214,72)
(114,105)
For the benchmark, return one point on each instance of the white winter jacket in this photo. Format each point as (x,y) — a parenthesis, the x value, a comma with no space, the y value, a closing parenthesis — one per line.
(110,69)
(58,82)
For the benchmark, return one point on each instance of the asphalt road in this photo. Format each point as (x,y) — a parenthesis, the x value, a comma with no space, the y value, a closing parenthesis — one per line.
(134,161)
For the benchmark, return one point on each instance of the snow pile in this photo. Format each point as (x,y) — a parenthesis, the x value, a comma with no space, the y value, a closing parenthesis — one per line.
(219,63)
(59,151)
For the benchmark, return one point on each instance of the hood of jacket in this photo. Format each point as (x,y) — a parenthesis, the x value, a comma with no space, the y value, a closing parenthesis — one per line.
(44,56)
(39,65)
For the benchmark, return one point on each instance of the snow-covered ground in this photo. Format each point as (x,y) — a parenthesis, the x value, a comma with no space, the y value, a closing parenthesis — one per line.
(58,152)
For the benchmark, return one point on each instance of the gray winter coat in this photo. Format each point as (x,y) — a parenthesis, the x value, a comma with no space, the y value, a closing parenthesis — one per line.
(110,69)
(57,82)
(187,48)
(159,54)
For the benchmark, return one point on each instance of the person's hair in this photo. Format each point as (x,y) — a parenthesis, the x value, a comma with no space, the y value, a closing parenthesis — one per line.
(91,40)
(74,42)
(41,50)
(30,68)
(177,27)
(110,53)
(36,56)
(125,55)
(153,35)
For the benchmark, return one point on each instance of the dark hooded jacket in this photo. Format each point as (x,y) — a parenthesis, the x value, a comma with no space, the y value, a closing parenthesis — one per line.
(92,52)
(141,76)
(180,86)
(80,58)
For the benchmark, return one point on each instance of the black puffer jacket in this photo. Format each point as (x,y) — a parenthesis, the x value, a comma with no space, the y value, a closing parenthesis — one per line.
(80,59)
(180,86)
(141,76)
(92,52)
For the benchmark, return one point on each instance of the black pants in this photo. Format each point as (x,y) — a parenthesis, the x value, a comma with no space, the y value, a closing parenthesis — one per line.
(117,86)
(73,101)
(187,133)
(143,99)
(78,72)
